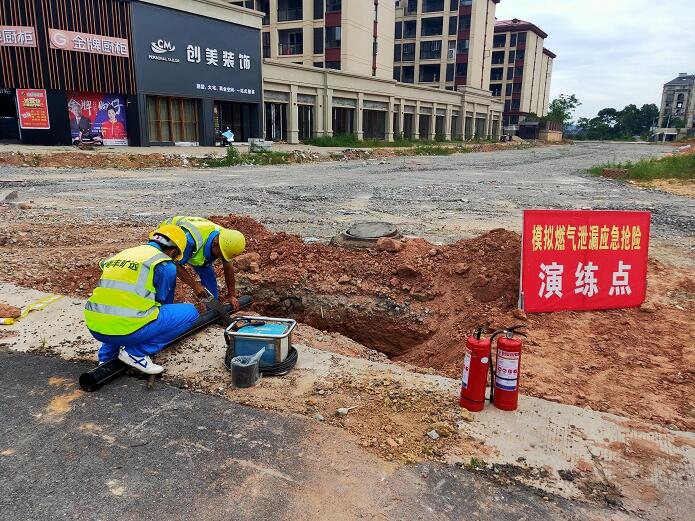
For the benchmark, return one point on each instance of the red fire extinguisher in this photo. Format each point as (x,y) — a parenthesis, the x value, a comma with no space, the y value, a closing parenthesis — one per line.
(504,380)
(475,369)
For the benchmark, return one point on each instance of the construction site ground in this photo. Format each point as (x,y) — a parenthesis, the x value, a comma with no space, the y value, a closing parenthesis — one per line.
(605,427)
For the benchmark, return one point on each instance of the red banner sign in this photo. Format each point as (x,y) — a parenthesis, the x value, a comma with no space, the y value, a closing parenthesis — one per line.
(581,260)
(32,105)
(85,42)
(17,36)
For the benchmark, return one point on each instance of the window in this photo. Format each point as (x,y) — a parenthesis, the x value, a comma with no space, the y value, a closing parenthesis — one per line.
(461,69)
(399,30)
(318,9)
(500,40)
(496,89)
(408,74)
(521,40)
(512,39)
(516,88)
(453,24)
(431,26)
(266,45)
(333,65)
(333,6)
(450,72)
(397,52)
(464,22)
(333,37)
(520,55)
(172,120)
(508,89)
(432,6)
(318,40)
(429,73)
(264,7)
(512,57)
(397,73)
(463,46)
(411,7)
(454,5)
(516,104)
(431,50)
(290,41)
(318,64)
(289,10)
(408,52)
(496,74)
(466,3)
(498,57)
(518,72)
(410,29)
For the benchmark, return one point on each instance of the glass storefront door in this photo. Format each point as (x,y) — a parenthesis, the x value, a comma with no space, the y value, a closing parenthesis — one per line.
(172,120)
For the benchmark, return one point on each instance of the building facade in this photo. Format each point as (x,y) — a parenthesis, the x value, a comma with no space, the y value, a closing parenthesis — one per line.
(355,36)
(302,102)
(128,72)
(444,43)
(678,101)
(521,70)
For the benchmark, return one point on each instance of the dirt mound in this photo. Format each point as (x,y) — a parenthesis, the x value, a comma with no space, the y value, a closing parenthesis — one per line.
(418,305)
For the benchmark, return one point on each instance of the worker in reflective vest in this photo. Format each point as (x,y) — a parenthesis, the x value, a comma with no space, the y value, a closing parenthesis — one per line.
(131,310)
(205,243)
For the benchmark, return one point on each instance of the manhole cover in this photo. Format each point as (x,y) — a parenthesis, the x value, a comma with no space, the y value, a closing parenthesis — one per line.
(371,231)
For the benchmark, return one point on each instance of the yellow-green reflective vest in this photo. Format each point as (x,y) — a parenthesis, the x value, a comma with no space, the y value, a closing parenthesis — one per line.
(200,229)
(124,299)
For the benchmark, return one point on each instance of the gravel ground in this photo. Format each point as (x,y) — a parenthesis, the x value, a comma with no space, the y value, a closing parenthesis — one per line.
(441,198)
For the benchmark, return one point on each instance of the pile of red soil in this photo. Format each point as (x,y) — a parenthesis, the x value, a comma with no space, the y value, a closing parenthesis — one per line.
(420,303)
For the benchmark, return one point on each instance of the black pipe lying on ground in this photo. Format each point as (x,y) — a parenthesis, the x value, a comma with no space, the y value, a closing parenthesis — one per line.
(104,373)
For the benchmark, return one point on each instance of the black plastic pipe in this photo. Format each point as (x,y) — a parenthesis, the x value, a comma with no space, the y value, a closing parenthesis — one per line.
(104,373)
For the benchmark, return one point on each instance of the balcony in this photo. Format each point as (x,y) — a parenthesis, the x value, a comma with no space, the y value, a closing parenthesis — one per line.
(290,10)
(290,49)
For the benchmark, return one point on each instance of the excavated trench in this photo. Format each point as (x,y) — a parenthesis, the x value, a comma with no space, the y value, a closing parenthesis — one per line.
(377,323)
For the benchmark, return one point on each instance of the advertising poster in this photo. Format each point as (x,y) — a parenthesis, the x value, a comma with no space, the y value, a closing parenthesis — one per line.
(32,105)
(583,260)
(98,119)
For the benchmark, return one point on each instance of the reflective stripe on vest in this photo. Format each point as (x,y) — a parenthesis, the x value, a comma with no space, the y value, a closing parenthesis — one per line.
(120,305)
(119,311)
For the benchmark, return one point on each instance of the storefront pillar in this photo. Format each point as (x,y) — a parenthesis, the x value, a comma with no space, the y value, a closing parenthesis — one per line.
(207,122)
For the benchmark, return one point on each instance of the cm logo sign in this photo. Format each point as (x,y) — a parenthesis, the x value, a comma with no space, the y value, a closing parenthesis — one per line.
(162,46)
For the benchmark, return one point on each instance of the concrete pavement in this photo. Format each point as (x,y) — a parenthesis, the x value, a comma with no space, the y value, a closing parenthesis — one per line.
(129,453)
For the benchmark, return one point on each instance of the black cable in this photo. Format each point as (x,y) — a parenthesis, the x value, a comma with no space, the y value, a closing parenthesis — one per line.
(279,369)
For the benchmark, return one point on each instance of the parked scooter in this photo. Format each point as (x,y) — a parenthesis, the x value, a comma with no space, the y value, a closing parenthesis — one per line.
(227,137)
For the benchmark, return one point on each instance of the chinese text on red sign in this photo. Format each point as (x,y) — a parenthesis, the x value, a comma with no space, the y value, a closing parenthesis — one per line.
(584,259)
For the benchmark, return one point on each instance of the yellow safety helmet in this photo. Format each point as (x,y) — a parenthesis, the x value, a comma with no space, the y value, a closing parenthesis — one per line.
(174,234)
(232,243)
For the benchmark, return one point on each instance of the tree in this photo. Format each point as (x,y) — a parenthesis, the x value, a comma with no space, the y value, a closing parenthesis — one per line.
(562,108)
(677,123)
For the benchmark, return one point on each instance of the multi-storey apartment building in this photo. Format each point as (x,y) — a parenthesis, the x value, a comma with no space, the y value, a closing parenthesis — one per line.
(444,43)
(354,36)
(521,70)
(678,101)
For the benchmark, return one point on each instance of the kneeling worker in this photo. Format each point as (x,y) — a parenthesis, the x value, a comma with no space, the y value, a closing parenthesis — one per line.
(205,243)
(131,310)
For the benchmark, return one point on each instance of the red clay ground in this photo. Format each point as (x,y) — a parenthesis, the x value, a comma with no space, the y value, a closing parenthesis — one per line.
(419,304)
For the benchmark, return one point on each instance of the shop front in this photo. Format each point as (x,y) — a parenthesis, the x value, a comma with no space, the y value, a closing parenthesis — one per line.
(197,77)
(66,79)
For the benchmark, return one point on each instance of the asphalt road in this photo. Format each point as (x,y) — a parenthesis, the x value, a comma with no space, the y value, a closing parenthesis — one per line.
(129,453)
(441,198)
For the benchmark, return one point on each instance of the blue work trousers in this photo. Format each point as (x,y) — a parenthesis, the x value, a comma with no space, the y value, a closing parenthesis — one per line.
(208,278)
(173,320)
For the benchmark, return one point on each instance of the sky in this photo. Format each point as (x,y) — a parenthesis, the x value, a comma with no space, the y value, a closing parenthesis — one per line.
(611,53)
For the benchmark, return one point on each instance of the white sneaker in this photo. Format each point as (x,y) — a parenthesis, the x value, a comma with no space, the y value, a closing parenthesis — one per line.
(141,363)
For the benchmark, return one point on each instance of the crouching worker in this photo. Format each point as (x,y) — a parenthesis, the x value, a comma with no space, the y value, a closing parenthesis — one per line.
(131,310)
(205,243)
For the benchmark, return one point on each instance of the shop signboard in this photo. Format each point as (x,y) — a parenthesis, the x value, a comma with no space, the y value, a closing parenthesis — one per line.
(97,118)
(583,260)
(86,42)
(185,55)
(32,107)
(17,36)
